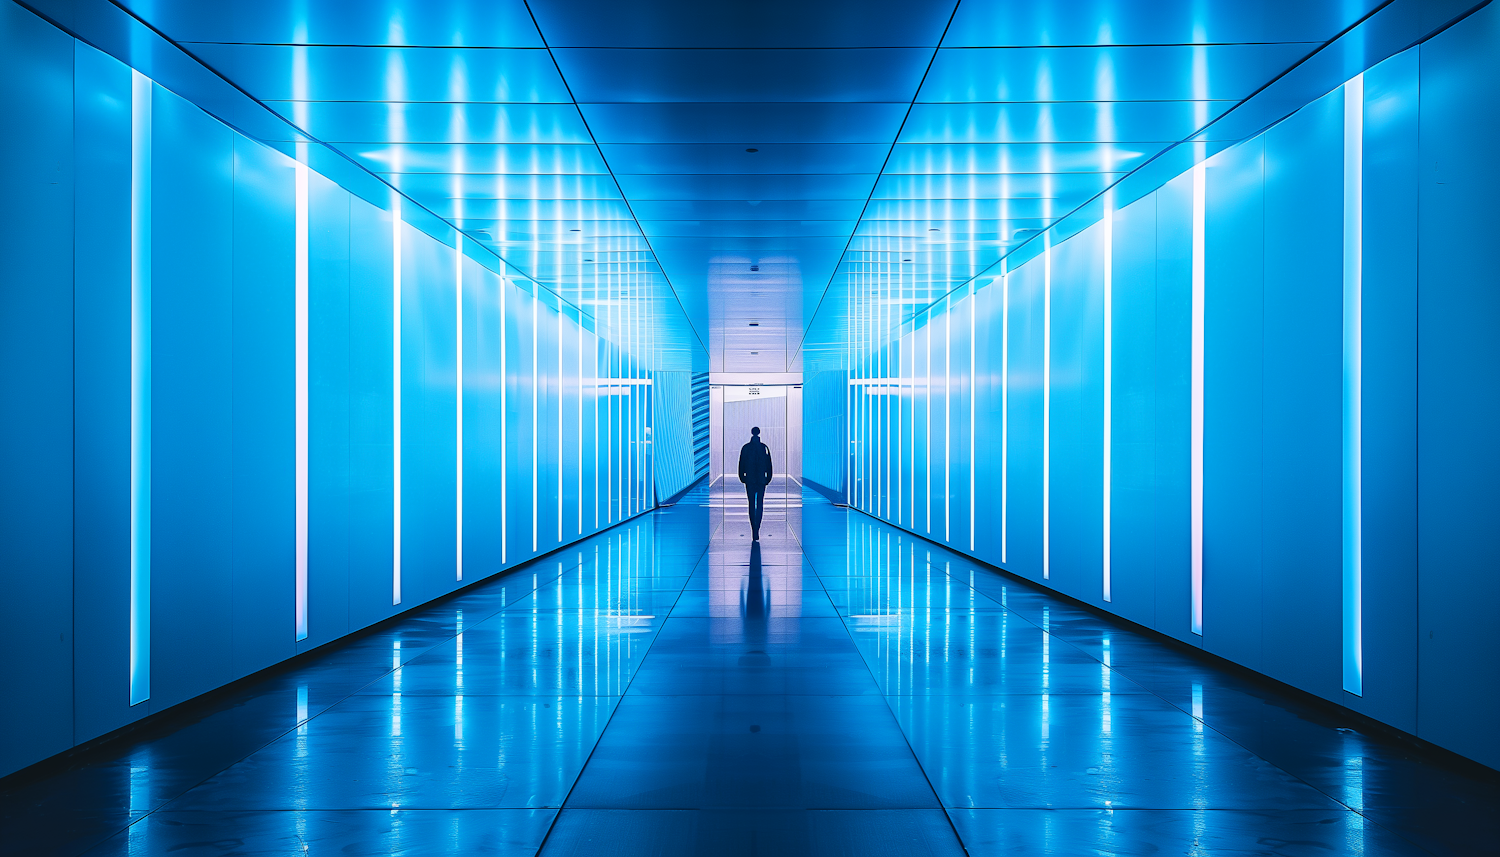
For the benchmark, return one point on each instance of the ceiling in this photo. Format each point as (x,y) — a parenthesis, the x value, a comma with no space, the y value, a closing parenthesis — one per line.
(738,157)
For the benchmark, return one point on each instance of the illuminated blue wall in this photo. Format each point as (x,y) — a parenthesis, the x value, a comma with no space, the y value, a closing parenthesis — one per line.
(1332,525)
(152,270)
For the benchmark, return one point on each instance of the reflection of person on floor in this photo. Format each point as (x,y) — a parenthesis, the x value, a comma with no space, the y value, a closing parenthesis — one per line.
(755,472)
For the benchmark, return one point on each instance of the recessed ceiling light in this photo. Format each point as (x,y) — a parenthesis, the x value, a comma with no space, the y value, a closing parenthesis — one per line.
(588,260)
(752,150)
(906,260)
(929,229)
(755,324)
(575,230)
(756,353)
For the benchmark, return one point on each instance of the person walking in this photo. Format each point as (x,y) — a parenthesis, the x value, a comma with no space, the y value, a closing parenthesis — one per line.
(755,472)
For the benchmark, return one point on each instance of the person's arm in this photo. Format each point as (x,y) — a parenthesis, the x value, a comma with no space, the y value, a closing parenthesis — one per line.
(768,465)
(743,474)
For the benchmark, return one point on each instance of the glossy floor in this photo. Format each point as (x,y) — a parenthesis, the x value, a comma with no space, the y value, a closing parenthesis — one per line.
(673,688)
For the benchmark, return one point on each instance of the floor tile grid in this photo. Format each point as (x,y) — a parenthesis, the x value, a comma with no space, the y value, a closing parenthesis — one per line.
(407,656)
(947,570)
(688,499)
(813,500)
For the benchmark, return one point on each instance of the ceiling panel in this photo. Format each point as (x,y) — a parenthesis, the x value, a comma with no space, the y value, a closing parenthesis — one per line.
(771,24)
(1154,73)
(1150,22)
(376,122)
(441,23)
(747,187)
(750,76)
(334,73)
(751,124)
(737,159)
(1058,122)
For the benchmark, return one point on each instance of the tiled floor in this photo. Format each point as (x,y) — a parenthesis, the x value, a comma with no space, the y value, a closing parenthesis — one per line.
(671,688)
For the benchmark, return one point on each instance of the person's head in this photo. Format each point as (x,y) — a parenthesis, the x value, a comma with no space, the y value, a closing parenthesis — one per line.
(755,433)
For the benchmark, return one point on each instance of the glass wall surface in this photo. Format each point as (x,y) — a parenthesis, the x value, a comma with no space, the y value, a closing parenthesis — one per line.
(1250,409)
(250,412)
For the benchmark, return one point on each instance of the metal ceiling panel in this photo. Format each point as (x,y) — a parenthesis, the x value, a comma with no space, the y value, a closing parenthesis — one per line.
(437,23)
(341,73)
(771,24)
(1132,73)
(748,76)
(751,124)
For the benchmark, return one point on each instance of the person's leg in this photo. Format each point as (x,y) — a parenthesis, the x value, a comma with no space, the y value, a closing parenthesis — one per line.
(757,506)
(750,496)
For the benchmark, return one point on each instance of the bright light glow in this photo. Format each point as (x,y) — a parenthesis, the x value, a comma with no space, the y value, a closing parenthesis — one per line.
(1047,406)
(140,388)
(947,420)
(1004,413)
(1353,553)
(973,401)
(300,323)
(504,425)
(396,396)
(1109,354)
(536,411)
(1196,454)
(458,389)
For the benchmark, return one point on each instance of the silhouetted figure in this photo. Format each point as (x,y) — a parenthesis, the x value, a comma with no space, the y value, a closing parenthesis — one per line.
(755,472)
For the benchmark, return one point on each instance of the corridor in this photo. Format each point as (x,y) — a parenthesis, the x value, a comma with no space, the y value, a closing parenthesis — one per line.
(669,688)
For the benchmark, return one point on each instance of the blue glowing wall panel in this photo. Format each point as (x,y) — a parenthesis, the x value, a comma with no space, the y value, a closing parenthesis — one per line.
(371,498)
(1458,362)
(1133,497)
(36,361)
(1234,362)
(428,415)
(192,404)
(101,395)
(1391,227)
(263,405)
(1302,392)
(331,408)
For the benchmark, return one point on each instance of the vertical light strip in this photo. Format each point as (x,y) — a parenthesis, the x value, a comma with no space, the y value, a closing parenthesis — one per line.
(140,388)
(561,328)
(973,401)
(947,421)
(1109,392)
(927,429)
(536,413)
(396,396)
(1199,202)
(300,325)
(458,386)
(579,355)
(1354,133)
(1004,412)
(1047,406)
(504,425)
